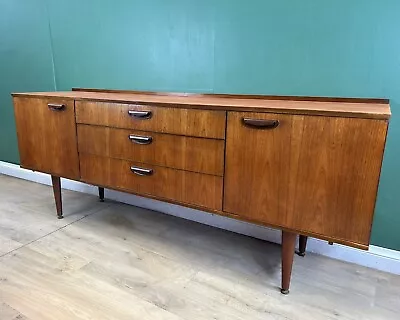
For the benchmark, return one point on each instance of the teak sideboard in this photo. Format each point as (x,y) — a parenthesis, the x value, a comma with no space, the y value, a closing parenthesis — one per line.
(306,166)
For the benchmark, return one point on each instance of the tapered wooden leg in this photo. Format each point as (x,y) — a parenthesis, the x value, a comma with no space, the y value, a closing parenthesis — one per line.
(288,247)
(56,181)
(302,245)
(101,194)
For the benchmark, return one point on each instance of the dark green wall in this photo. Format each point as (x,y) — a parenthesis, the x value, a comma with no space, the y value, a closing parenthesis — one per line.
(289,47)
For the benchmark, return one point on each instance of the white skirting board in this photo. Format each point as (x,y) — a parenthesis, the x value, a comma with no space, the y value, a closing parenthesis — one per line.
(377,257)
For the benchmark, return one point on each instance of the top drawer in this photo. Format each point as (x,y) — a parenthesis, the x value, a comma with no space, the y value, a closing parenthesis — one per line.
(189,122)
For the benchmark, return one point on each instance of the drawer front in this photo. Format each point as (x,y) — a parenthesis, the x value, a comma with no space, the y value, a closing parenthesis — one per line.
(47,135)
(308,173)
(178,152)
(188,122)
(179,186)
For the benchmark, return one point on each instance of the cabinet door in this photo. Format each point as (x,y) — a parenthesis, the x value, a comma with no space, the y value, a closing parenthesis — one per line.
(309,173)
(46,132)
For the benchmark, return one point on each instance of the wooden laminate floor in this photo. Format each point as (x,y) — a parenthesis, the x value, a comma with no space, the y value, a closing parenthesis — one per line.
(114,261)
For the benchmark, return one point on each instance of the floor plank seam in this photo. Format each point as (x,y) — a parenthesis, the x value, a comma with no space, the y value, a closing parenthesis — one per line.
(54,231)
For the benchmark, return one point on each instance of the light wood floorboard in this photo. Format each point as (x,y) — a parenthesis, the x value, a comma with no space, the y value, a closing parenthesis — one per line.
(114,261)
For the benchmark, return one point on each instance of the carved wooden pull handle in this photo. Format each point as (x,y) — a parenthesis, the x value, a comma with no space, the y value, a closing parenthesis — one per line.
(56,107)
(260,123)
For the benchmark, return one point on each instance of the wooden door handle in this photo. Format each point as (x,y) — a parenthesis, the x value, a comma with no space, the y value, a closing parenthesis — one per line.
(260,123)
(142,171)
(140,114)
(140,139)
(56,107)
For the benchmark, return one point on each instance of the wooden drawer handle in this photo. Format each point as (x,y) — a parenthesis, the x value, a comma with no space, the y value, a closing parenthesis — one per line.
(140,114)
(140,139)
(141,171)
(260,123)
(56,107)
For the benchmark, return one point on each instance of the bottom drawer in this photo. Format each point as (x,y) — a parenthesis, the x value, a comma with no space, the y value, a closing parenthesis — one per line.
(181,186)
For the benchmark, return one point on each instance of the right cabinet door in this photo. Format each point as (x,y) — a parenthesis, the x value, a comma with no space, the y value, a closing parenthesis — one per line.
(309,173)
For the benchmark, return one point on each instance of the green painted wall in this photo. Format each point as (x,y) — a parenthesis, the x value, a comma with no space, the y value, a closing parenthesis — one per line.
(289,47)
(25,63)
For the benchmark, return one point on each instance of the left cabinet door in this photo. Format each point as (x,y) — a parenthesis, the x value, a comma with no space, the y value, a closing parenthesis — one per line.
(46,132)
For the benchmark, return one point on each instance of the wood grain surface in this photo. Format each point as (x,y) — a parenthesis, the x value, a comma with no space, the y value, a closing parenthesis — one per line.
(47,138)
(317,174)
(189,122)
(358,108)
(239,96)
(173,151)
(182,186)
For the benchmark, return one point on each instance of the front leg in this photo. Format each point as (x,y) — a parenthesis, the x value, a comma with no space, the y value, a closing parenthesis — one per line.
(56,182)
(288,247)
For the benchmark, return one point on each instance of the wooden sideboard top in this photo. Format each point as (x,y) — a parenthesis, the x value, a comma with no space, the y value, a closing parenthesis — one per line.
(339,107)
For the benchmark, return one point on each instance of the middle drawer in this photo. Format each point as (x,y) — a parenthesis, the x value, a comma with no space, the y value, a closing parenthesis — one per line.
(173,151)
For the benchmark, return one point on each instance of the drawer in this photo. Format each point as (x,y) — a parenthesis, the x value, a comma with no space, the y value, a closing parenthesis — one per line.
(173,151)
(188,122)
(177,185)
